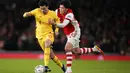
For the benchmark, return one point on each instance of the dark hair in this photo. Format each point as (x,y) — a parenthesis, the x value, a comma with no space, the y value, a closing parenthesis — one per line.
(43,3)
(66,3)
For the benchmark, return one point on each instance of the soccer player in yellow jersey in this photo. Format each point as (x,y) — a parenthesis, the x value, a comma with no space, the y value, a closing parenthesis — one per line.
(44,31)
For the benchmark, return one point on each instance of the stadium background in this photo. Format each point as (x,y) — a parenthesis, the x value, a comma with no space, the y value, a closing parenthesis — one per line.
(103,22)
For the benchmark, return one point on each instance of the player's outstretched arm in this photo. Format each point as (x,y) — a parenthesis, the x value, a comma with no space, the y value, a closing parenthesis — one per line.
(60,25)
(68,18)
(64,23)
(27,14)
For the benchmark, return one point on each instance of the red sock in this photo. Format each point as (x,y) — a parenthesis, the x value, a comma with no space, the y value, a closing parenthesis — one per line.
(86,50)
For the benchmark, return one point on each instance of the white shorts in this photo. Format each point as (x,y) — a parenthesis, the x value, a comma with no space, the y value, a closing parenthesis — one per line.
(73,38)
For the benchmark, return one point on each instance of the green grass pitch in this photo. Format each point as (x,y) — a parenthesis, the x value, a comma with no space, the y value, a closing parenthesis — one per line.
(79,66)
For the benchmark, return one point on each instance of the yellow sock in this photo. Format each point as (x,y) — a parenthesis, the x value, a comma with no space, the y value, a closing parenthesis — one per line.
(57,61)
(46,56)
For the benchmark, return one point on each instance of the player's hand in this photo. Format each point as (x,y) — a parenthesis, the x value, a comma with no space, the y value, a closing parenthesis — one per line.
(51,21)
(56,33)
(26,14)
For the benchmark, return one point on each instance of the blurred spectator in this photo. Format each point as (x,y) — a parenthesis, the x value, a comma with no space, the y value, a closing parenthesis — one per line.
(123,45)
(2,43)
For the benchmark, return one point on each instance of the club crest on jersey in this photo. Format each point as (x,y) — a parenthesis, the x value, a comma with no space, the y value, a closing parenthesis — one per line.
(69,16)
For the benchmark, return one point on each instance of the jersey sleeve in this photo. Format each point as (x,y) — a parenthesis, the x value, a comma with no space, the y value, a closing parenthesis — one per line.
(57,20)
(33,12)
(69,16)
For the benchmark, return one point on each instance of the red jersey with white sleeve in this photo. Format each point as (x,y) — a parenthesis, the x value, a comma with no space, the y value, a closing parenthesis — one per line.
(72,25)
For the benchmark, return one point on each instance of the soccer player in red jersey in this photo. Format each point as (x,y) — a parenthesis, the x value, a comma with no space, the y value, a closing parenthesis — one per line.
(72,31)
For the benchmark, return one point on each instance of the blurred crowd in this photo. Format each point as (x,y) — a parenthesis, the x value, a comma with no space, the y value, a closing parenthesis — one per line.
(107,23)
(102,22)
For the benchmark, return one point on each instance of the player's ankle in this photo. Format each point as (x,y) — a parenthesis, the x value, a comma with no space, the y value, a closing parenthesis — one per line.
(63,68)
(47,69)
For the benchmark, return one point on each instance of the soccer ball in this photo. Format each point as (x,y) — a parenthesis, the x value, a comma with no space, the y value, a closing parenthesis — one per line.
(40,69)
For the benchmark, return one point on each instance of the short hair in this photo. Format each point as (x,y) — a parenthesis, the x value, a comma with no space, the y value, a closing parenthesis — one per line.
(66,3)
(43,3)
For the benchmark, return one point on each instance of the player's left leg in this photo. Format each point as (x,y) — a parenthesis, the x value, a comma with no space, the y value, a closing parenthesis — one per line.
(57,61)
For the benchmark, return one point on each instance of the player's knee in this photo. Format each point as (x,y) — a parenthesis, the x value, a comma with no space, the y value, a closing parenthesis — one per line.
(48,43)
(76,51)
(68,49)
(52,56)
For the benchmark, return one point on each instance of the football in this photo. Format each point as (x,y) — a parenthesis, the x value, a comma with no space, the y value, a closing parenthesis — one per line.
(39,69)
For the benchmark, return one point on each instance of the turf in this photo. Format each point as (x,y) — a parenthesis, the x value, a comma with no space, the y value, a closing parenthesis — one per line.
(79,66)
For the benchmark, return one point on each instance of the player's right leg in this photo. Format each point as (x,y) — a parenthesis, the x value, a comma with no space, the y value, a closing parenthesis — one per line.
(57,61)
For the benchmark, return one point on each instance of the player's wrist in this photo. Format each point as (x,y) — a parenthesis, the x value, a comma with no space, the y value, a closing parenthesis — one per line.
(26,14)
(54,24)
